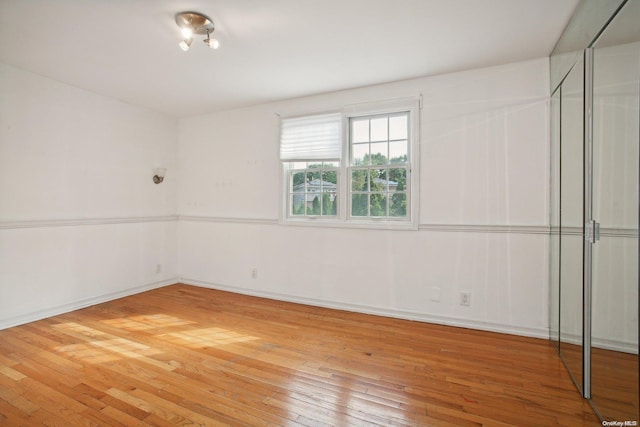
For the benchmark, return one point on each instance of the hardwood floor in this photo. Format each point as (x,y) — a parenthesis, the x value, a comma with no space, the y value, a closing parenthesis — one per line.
(183,355)
(615,385)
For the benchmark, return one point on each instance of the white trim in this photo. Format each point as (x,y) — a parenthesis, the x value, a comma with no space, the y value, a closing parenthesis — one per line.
(73,222)
(367,108)
(486,228)
(81,303)
(197,218)
(452,228)
(455,228)
(619,232)
(601,343)
(615,345)
(369,224)
(566,231)
(379,311)
(630,233)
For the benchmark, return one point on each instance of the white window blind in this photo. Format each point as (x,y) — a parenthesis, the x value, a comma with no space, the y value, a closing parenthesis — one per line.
(311,138)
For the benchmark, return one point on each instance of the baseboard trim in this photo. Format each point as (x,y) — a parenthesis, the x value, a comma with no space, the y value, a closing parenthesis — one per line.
(73,222)
(378,311)
(601,343)
(606,344)
(81,303)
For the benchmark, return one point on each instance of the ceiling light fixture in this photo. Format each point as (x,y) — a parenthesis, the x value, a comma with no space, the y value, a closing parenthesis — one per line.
(212,43)
(185,44)
(191,23)
(187,33)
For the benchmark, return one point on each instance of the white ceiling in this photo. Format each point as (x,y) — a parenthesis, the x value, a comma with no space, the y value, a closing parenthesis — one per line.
(270,49)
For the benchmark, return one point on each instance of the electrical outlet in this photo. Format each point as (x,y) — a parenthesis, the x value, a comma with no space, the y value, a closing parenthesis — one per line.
(158,268)
(465,299)
(254,273)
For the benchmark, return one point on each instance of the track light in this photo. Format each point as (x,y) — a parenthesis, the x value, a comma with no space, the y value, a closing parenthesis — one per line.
(187,33)
(212,43)
(185,44)
(191,23)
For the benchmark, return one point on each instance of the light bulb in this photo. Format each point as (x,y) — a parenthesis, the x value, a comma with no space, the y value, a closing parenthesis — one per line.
(212,43)
(187,32)
(185,44)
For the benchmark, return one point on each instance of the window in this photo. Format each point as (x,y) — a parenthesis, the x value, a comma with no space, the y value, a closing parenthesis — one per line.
(356,168)
(314,189)
(379,165)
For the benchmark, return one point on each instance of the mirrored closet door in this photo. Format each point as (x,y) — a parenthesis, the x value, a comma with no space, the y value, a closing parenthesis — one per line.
(595,205)
(615,201)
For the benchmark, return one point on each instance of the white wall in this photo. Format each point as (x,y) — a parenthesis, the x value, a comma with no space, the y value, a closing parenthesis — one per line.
(483,207)
(80,218)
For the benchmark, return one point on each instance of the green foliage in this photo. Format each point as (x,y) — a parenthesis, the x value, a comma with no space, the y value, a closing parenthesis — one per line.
(315,206)
(359,180)
(379,199)
(398,175)
(376,159)
(376,174)
(313,175)
(380,159)
(298,209)
(399,159)
(359,205)
(330,176)
(398,205)
(328,207)
(378,204)
(298,178)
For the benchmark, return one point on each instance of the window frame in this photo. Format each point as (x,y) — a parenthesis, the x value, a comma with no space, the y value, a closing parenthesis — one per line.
(343,217)
(352,167)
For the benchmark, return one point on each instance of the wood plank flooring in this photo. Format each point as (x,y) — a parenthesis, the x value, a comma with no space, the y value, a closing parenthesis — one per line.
(183,355)
(615,385)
